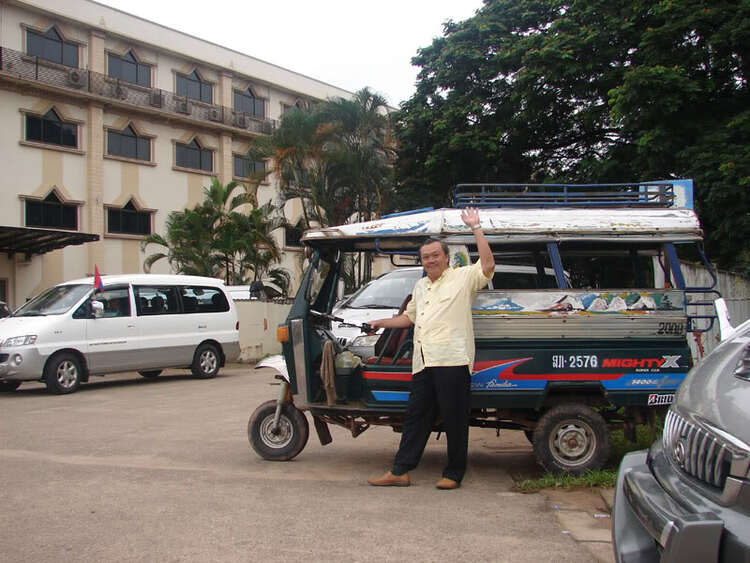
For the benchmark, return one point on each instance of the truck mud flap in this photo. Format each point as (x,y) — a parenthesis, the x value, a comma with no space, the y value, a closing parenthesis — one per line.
(321,427)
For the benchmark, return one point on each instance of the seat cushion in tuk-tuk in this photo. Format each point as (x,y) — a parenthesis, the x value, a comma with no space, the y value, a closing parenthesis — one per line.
(394,342)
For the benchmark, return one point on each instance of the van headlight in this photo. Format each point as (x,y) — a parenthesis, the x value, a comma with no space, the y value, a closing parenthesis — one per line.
(365,340)
(24,340)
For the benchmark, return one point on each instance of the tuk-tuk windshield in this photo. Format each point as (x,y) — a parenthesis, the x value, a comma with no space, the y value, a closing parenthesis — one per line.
(320,271)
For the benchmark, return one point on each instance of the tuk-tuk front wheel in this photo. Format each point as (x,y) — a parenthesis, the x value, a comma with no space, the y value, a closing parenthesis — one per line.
(571,438)
(279,442)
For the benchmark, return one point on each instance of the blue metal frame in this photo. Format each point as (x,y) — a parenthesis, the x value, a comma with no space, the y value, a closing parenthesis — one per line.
(674,265)
(411,212)
(646,194)
(554,255)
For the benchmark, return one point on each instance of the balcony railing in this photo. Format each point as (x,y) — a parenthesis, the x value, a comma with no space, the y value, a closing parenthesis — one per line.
(27,67)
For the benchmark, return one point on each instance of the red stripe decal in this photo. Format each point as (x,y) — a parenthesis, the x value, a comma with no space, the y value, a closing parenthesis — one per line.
(387,375)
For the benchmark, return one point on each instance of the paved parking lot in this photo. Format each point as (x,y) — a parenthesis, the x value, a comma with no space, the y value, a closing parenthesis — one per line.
(146,470)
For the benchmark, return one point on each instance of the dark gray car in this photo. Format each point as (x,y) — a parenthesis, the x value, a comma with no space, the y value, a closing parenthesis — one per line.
(688,497)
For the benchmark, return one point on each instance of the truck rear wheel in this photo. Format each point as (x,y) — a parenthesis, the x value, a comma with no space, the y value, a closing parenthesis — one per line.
(283,442)
(571,438)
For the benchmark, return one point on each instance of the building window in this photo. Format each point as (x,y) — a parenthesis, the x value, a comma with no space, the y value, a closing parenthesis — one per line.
(51,213)
(127,68)
(50,129)
(246,102)
(293,235)
(191,86)
(51,47)
(128,220)
(194,156)
(244,167)
(128,144)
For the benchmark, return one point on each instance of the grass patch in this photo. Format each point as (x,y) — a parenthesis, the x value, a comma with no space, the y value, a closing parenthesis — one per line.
(596,478)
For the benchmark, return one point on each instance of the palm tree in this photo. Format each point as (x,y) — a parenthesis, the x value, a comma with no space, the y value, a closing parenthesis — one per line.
(214,239)
(336,158)
(188,243)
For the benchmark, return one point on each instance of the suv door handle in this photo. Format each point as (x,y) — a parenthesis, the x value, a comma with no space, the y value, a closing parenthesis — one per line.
(202,326)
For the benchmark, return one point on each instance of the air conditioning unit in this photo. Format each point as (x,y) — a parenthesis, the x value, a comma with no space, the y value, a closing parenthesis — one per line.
(240,120)
(76,77)
(183,106)
(215,114)
(266,127)
(119,92)
(156,98)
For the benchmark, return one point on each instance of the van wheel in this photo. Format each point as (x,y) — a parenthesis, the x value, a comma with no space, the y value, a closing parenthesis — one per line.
(62,374)
(8,386)
(150,373)
(571,438)
(206,361)
(284,442)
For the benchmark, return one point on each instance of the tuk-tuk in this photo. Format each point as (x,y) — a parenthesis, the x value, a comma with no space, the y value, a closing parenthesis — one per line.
(606,346)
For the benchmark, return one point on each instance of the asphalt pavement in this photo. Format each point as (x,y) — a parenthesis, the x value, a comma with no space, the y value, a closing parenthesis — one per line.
(130,469)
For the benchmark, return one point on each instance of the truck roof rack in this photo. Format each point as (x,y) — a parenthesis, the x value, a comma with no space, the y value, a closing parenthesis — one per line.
(648,194)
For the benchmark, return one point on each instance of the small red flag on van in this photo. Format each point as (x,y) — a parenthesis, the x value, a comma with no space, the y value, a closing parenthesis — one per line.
(98,285)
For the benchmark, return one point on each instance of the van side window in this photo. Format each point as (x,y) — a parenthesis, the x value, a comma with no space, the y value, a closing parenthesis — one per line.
(156,300)
(116,301)
(196,299)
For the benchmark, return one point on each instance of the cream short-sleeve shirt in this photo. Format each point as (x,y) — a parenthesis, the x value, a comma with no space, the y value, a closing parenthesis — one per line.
(441,313)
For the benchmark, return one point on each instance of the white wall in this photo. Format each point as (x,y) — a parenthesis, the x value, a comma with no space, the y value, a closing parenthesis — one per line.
(258,322)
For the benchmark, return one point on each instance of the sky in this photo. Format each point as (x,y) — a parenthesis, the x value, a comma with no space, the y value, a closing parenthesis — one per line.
(346,43)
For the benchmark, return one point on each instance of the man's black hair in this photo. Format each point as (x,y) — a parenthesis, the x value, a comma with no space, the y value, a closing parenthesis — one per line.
(441,242)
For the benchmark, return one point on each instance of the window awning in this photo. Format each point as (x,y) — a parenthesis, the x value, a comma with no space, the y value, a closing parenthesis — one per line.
(30,241)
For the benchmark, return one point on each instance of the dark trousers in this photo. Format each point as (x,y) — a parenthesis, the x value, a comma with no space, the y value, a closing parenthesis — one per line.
(443,391)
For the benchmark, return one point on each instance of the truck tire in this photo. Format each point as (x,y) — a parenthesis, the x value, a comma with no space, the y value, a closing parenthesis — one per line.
(571,438)
(287,441)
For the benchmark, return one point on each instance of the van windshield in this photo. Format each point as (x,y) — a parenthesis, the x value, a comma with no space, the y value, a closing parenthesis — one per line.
(386,292)
(55,301)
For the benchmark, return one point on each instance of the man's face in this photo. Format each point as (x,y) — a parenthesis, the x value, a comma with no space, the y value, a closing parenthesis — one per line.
(434,260)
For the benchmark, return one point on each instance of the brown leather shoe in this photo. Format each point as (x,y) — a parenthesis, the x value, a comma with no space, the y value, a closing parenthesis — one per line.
(446,484)
(388,479)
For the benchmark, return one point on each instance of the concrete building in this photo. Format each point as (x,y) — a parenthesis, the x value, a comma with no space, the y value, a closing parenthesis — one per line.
(109,123)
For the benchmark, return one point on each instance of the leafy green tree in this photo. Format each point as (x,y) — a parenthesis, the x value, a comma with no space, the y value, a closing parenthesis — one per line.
(337,158)
(215,239)
(551,90)
(188,242)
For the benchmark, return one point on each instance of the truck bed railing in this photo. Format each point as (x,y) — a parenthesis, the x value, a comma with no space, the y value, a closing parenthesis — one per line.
(650,194)
(699,307)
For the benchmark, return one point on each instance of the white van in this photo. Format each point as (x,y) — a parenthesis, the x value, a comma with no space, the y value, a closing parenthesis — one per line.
(140,322)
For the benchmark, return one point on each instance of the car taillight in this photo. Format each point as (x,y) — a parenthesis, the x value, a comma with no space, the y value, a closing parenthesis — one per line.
(237,326)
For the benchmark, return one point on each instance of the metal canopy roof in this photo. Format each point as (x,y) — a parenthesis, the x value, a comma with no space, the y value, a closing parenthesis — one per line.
(30,241)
